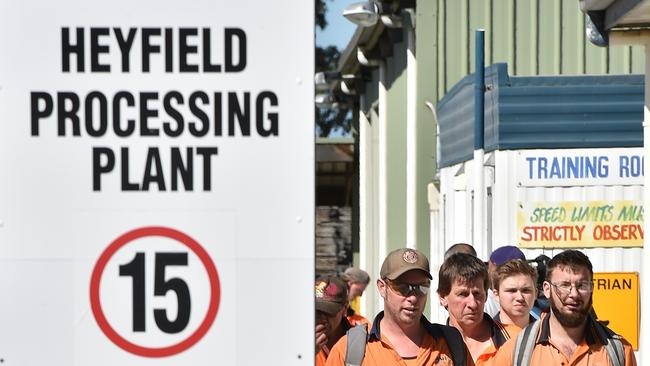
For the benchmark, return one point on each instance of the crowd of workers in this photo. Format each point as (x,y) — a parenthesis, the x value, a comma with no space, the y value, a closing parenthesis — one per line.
(496,315)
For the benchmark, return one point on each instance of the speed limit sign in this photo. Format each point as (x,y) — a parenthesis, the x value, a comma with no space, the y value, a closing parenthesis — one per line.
(157,194)
(155,252)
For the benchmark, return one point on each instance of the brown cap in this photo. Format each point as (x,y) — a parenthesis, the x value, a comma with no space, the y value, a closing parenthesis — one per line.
(402,260)
(331,295)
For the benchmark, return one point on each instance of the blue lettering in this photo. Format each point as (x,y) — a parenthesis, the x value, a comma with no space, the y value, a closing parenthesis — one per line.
(636,166)
(603,168)
(623,166)
(541,167)
(530,167)
(590,167)
(573,166)
(630,166)
(555,169)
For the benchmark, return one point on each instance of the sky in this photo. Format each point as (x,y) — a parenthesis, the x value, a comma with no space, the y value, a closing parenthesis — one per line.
(339,30)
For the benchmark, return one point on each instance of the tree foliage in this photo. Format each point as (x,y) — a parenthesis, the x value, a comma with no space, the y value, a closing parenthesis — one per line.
(326,59)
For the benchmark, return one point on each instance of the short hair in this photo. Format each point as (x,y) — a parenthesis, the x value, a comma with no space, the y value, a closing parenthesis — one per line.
(356,275)
(511,268)
(461,267)
(572,259)
(460,248)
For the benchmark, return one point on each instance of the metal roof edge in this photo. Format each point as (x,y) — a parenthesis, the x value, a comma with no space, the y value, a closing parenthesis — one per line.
(498,71)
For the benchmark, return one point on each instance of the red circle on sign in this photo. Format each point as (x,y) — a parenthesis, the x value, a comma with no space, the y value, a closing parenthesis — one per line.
(96,306)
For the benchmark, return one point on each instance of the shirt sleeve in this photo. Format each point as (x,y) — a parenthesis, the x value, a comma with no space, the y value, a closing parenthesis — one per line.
(630,358)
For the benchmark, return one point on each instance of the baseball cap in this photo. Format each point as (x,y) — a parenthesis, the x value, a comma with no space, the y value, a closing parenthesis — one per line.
(506,253)
(331,295)
(356,275)
(403,260)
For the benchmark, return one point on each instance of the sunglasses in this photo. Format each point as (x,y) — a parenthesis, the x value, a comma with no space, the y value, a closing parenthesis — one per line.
(406,289)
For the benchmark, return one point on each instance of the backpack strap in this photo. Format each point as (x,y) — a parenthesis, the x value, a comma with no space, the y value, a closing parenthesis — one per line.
(455,343)
(525,344)
(356,345)
(613,344)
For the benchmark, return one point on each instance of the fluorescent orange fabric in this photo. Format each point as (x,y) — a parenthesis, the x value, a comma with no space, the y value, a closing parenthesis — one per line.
(380,352)
(356,319)
(590,351)
(321,357)
(500,333)
(322,354)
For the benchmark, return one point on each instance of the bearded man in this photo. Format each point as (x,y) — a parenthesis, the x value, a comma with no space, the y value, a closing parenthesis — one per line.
(569,334)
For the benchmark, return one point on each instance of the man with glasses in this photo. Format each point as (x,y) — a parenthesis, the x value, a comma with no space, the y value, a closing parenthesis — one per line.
(462,289)
(401,334)
(568,335)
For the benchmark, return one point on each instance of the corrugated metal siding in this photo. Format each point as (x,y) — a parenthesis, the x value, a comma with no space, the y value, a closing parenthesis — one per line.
(534,37)
(542,112)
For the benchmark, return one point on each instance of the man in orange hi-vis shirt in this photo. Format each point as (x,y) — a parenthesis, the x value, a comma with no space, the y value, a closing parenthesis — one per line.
(357,280)
(462,289)
(331,323)
(568,335)
(401,335)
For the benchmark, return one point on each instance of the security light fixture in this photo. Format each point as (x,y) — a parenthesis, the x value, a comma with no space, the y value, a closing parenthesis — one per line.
(327,77)
(364,14)
(325,100)
(324,79)
(391,20)
(364,60)
(347,87)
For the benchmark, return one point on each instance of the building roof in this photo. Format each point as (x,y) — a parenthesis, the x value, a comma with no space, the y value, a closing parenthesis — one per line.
(542,112)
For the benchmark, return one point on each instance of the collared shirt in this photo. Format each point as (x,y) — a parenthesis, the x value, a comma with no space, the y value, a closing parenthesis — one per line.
(499,334)
(433,351)
(497,317)
(590,352)
(355,319)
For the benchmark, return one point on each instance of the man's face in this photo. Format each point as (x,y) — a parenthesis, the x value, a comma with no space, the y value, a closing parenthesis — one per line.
(404,304)
(570,295)
(330,321)
(356,289)
(516,295)
(465,302)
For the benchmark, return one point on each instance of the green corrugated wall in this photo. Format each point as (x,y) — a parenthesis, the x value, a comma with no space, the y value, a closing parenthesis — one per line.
(535,37)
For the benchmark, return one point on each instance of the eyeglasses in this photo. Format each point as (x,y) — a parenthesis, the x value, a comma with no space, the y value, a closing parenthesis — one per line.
(563,289)
(406,289)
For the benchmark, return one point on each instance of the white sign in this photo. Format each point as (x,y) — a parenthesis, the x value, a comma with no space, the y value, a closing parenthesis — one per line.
(156,200)
(579,167)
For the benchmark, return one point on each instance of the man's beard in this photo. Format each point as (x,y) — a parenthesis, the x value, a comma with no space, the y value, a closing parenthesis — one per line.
(571,320)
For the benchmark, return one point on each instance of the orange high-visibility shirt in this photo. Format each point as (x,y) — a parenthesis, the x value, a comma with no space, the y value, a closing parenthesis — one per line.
(380,352)
(590,352)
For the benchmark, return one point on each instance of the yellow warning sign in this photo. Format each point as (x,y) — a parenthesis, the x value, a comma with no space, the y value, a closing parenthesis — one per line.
(614,292)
